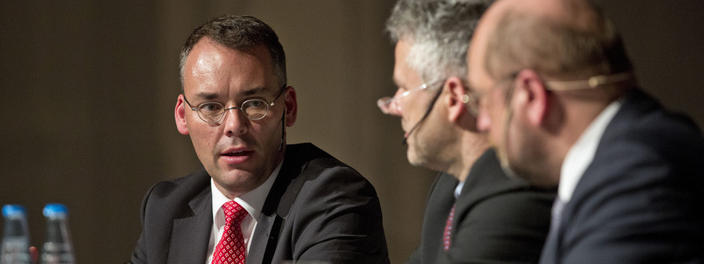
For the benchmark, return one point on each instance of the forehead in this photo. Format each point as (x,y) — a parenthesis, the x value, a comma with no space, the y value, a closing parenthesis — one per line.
(404,74)
(216,69)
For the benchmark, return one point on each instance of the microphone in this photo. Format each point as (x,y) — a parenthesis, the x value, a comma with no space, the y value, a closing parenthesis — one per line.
(283,130)
(427,113)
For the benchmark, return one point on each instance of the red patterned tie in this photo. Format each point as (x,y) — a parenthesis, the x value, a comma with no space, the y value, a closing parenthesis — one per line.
(448,229)
(231,248)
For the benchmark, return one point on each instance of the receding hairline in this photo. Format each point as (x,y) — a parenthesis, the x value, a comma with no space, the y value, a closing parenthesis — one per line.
(582,38)
(238,33)
(259,52)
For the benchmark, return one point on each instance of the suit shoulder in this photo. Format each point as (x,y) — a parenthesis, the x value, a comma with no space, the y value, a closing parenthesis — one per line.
(642,120)
(517,205)
(315,162)
(180,189)
(487,181)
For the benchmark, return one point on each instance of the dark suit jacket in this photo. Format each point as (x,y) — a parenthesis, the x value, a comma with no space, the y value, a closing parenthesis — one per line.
(318,209)
(497,220)
(640,200)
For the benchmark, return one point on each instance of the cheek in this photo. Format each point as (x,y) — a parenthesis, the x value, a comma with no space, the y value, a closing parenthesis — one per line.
(414,107)
(266,131)
(202,136)
(496,115)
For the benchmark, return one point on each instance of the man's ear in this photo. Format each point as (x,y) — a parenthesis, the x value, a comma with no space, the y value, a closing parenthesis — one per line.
(180,115)
(531,97)
(455,99)
(291,105)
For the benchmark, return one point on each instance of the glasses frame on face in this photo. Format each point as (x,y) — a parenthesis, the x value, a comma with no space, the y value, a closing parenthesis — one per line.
(217,118)
(389,102)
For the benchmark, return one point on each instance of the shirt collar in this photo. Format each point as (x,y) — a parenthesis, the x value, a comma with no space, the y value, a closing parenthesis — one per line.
(582,152)
(252,201)
(458,189)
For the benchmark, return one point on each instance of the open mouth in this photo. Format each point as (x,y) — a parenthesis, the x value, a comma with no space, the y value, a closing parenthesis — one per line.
(237,153)
(236,156)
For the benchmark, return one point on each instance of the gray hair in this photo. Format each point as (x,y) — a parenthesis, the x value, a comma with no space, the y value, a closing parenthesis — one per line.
(439,32)
(239,33)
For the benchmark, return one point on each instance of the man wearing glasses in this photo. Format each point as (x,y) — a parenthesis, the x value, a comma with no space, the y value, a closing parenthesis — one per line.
(257,200)
(563,108)
(474,214)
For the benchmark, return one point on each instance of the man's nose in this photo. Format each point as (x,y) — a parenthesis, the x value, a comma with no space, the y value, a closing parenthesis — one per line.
(234,122)
(389,106)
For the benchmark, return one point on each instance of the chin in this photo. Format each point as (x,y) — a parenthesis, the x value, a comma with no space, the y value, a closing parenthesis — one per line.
(534,175)
(242,182)
(413,157)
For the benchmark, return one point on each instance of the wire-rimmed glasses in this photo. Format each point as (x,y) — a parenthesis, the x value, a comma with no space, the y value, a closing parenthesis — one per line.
(390,105)
(254,109)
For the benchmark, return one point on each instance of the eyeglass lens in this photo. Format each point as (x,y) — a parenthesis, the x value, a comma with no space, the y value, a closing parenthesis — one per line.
(254,109)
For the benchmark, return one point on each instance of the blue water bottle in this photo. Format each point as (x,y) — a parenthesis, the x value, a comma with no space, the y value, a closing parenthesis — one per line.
(15,240)
(57,248)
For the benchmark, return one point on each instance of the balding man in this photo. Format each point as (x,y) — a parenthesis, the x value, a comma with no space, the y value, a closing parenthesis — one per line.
(474,213)
(562,107)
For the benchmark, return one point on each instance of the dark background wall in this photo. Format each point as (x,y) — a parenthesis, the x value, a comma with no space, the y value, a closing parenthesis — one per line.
(87,91)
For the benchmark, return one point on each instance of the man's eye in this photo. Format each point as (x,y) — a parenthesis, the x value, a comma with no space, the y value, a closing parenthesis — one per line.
(256,103)
(211,107)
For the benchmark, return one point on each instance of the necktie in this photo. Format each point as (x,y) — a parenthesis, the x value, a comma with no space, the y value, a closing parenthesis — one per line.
(448,229)
(231,248)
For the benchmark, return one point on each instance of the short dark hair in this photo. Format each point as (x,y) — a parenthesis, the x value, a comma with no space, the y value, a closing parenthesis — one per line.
(240,33)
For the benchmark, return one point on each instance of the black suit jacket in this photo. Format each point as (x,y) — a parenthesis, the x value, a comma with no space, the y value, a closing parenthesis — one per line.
(640,200)
(497,219)
(318,209)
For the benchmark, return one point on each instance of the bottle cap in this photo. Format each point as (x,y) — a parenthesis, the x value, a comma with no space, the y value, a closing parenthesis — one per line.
(55,210)
(12,210)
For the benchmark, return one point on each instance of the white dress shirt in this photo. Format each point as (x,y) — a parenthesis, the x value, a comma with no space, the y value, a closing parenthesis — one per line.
(582,152)
(458,189)
(252,202)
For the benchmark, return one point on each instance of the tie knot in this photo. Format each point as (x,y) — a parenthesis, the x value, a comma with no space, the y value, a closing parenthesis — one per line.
(234,213)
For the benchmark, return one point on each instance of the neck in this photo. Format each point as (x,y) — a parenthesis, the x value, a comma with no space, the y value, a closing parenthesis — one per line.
(578,115)
(471,147)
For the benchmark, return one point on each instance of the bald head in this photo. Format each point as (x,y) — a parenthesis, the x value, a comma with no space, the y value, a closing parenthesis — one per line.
(560,39)
(532,64)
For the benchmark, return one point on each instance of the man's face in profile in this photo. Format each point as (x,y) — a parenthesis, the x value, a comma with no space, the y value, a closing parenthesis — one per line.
(520,149)
(410,102)
(493,116)
(237,152)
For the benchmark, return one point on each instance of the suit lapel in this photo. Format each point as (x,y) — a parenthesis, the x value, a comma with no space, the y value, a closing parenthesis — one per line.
(486,177)
(264,239)
(435,217)
(635,102)
(190,235)
(276,207)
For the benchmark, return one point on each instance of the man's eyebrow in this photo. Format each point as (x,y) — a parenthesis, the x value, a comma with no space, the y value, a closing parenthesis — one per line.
(213,96)
(207,96)
(252,91)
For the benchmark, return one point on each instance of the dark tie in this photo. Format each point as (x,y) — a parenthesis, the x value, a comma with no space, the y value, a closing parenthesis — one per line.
(231,248)
(448,229)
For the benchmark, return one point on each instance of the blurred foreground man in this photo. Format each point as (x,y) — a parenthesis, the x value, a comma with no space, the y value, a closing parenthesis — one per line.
(475,214)
(257,200)
(562,106)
